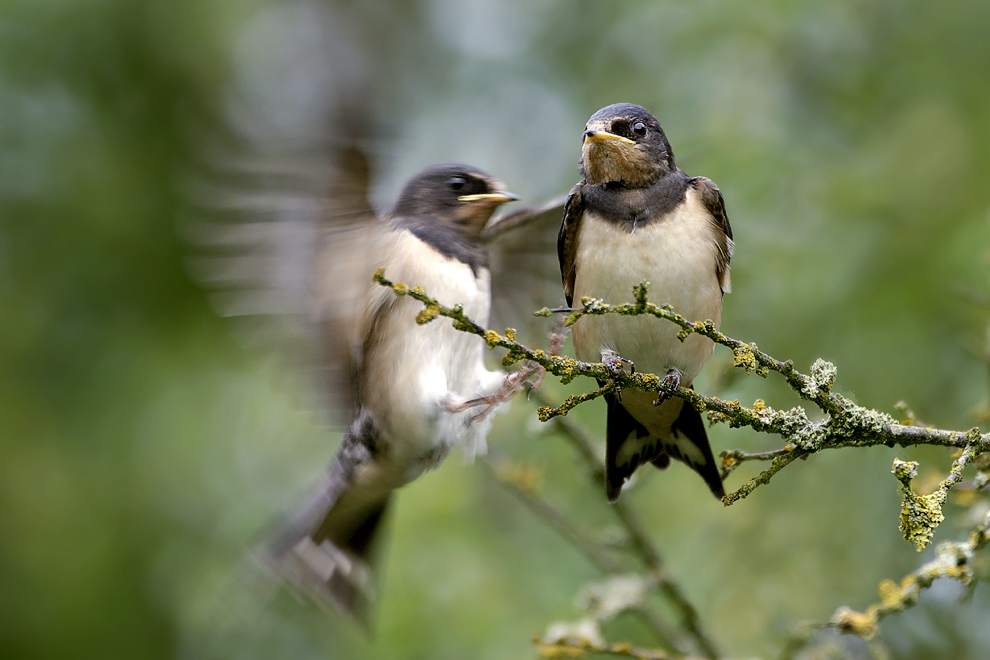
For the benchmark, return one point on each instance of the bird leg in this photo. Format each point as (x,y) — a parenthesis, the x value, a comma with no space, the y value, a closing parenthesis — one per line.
(613,362)
(511,385)
(668,386)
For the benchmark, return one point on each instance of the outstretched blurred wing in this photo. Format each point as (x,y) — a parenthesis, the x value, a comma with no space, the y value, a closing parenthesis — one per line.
(290,245)
(522,247)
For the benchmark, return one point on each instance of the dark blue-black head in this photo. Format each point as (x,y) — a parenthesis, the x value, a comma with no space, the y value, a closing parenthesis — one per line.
(624,145)
(453,194)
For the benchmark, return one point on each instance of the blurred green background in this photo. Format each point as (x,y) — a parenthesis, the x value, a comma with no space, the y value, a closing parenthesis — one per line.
(143,448)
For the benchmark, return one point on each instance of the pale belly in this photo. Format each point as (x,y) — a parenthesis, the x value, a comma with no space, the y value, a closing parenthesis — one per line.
(418,368)
(677,257)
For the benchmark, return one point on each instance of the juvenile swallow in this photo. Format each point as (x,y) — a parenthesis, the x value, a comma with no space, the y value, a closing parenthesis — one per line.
(636,216)
(407,393)
(412,384)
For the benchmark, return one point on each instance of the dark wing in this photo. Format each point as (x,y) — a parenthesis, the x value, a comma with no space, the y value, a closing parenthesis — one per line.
(567,240)
(626,437)
(689,427)
(620,428)
(330,549)
(287,244)
(711,196)
(524,278)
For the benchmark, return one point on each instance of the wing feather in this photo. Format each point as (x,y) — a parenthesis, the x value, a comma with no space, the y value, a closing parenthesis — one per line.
(712,198)
(567,240)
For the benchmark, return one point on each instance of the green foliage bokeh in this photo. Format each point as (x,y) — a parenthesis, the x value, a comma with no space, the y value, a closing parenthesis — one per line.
(143,448)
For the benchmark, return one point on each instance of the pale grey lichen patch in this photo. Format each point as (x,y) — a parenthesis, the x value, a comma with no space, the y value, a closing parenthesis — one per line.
(822,376)
(607,599)
(797,428)
(905,471)
(855,421)
(582,631)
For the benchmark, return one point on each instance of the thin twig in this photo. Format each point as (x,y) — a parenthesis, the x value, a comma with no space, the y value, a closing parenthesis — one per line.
(574,648)
(640,541)
(596,552)
(845,425)
(952,560)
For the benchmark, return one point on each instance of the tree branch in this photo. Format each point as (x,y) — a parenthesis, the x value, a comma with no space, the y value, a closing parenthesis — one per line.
(523,487)
(845,424)
(953,559)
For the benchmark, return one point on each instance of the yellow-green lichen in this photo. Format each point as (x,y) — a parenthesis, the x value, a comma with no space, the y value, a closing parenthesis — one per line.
(491,338)
(512,357)
(715,417)
(920,514)
(891,594)
(650,381)
(428,314)
(862,624)
(640,293)
(526,477)
(744,357)
(564,368)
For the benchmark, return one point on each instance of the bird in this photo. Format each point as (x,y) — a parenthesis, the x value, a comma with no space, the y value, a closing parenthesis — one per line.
(406,393)
(636,216)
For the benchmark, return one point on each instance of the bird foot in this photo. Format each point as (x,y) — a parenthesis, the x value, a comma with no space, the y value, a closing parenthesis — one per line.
(614,362)
(511,385)
(668,386)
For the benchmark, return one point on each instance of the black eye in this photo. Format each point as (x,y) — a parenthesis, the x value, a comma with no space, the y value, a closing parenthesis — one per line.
(639,128)
(456,182)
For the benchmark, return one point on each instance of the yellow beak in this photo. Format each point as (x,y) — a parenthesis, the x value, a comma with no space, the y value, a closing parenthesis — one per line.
(601,136)
(500,197)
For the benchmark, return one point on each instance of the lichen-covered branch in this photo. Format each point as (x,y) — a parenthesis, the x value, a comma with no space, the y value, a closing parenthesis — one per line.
(843,424)
(921,514)
(846,424)
(815,387)
(733,458)
(952,560)
(579,648)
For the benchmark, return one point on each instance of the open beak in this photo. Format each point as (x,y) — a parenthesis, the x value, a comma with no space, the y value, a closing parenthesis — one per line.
(495,198)
(602,136)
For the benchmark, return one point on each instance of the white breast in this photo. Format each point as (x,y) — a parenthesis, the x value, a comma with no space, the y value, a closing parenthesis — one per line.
(416,367)
(677,256)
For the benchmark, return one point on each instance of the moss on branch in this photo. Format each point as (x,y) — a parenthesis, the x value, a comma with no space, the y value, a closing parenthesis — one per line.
(845,424)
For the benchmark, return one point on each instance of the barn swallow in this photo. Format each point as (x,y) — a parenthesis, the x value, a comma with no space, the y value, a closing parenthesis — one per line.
(406,393)
(635,216)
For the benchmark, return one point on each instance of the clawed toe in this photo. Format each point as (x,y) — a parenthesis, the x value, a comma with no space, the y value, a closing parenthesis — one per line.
(513,383)
(668,386)
(614,363)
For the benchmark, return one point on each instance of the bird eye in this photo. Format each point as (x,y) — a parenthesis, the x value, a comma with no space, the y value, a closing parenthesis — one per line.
(639,128)
(456,182)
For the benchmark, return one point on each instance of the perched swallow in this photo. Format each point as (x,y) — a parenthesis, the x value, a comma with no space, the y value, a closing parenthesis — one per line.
(636,216)
(406,392)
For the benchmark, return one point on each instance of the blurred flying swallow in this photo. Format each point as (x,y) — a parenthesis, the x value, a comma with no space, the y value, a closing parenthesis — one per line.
(407,393)
(636,216)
